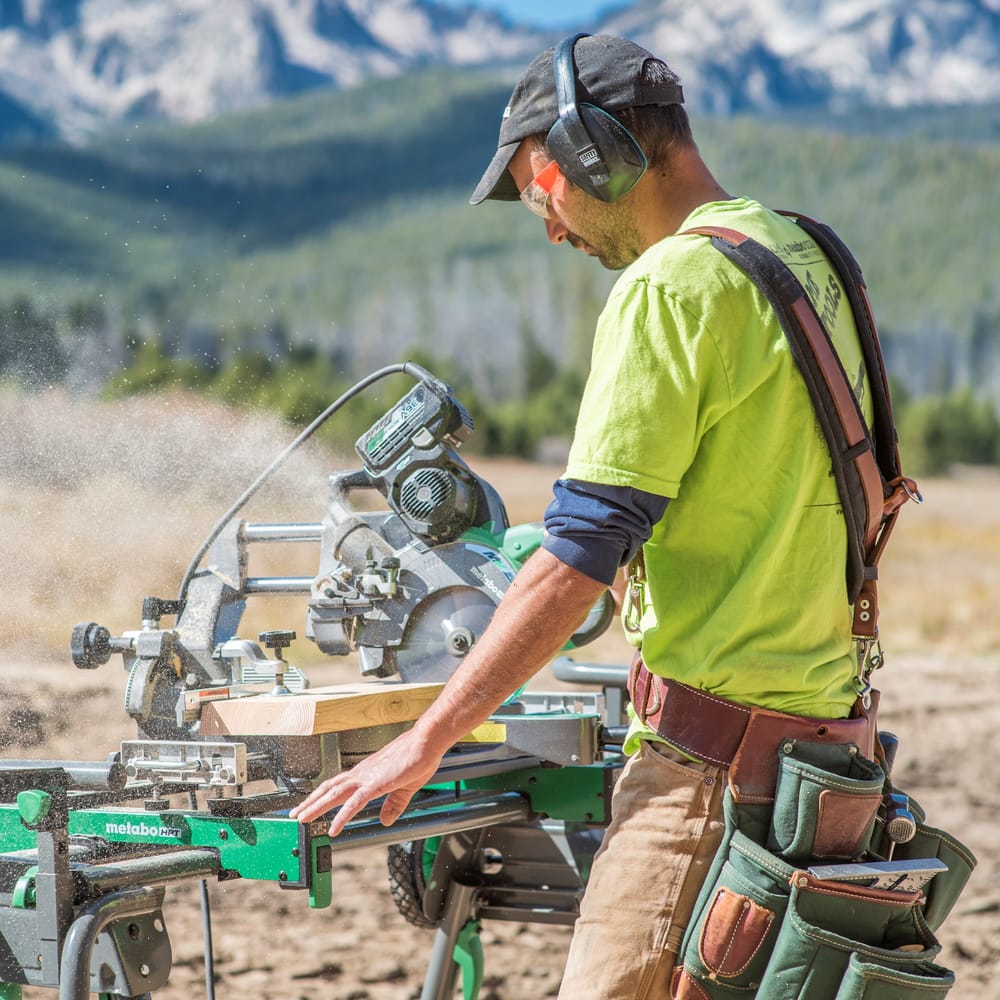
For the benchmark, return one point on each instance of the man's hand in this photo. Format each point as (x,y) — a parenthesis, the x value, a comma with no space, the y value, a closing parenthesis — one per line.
(398,771)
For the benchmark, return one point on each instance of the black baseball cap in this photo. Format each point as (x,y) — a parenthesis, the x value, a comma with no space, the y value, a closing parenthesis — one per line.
(609,75)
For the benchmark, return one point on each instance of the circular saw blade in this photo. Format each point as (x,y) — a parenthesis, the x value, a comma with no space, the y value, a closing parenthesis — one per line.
(441,630)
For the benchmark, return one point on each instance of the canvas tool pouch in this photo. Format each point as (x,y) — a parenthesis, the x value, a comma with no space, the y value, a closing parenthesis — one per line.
(847,942)
(942,892)
(825,803)
(765,927)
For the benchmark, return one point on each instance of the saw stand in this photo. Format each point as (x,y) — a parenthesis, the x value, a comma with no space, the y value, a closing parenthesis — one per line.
(506,830)
(531,872)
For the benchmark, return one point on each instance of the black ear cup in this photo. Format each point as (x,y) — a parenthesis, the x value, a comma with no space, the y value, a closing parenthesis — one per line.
(605,161)
(593,149)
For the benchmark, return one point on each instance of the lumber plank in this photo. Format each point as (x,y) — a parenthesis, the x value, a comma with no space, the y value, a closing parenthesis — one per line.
(333,709)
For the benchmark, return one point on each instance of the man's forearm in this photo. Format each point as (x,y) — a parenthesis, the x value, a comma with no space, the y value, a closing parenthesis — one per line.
(546,603)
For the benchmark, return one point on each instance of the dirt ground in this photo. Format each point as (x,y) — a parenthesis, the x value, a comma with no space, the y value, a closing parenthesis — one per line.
(939,687)
(269,945)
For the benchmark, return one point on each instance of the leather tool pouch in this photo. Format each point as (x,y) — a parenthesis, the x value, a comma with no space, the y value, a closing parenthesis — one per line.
(740,737)
(766,927)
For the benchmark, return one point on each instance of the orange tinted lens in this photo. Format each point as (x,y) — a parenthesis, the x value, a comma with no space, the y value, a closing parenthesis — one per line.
(536,195)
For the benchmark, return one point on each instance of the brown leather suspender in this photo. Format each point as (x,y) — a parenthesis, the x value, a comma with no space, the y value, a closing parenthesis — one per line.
(866,466)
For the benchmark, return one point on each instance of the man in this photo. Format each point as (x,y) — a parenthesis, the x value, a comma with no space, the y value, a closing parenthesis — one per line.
(697,459)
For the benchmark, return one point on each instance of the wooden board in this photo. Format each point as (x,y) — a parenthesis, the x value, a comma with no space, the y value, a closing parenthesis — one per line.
(319,710)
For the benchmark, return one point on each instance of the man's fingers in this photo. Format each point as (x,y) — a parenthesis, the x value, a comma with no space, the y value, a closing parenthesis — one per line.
(351,801)
(397,771)
(394,806)
(348,811)
(322,799)
(351,798)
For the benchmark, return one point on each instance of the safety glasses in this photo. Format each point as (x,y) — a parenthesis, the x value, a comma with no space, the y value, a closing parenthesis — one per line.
(536,195)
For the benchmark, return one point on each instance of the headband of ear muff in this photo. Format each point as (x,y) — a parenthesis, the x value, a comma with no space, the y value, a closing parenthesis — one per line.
(593,149)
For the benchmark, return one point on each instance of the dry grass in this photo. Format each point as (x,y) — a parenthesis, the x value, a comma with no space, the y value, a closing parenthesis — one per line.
(103,504)
(941,574)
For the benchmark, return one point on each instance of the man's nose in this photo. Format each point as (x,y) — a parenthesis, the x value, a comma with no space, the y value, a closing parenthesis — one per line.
(556,230)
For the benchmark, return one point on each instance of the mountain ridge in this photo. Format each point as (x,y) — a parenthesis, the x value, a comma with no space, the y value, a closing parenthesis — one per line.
(71,68)
(826,53)
(80,65)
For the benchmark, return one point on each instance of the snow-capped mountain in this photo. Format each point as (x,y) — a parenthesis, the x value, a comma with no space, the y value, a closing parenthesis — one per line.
(69,67)
(756,54)
(77,64)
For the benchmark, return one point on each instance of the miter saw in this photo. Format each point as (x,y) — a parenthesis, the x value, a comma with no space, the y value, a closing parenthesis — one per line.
(409,589)
(505,829)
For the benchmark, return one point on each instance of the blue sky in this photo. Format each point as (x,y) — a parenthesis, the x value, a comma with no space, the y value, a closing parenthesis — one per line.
(546,13)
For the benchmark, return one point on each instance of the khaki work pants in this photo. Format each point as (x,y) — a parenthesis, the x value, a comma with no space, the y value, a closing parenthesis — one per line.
(666,827)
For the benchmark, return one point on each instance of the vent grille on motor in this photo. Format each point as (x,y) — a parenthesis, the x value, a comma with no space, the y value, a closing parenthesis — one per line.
(425,491)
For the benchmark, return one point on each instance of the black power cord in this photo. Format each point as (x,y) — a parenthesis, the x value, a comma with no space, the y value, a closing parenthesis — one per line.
(407,367)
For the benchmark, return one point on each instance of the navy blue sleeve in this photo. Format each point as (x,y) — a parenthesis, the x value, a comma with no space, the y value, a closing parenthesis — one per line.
(597,529)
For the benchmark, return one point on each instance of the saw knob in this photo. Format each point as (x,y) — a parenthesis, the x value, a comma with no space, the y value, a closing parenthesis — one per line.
(277,640)
(90,645)
(154,608)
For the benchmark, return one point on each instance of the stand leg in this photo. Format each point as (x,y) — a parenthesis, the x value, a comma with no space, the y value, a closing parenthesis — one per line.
(455,932)
(468,956)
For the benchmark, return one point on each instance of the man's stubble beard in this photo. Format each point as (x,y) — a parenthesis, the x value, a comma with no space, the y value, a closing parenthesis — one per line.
(610,232)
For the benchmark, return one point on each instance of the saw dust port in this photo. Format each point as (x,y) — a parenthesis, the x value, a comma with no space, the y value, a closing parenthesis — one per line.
(104,505)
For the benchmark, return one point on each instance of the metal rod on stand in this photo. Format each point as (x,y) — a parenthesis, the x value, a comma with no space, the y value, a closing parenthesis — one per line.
(459,910)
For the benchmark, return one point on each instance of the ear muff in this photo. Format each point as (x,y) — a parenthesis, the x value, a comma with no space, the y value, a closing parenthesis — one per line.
(593,149)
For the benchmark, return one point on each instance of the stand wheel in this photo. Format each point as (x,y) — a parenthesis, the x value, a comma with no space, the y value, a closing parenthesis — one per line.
(407,883)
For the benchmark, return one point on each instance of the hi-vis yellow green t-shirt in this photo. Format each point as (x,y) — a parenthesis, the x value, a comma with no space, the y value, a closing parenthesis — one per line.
(693,394)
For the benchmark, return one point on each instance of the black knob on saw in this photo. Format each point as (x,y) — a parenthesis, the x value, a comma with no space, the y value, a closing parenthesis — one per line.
(277,640)
(154,608)
(90,645)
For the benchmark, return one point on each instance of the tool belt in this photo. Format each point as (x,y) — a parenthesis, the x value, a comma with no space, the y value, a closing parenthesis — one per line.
(742,738)
(820,896)
(790,908)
